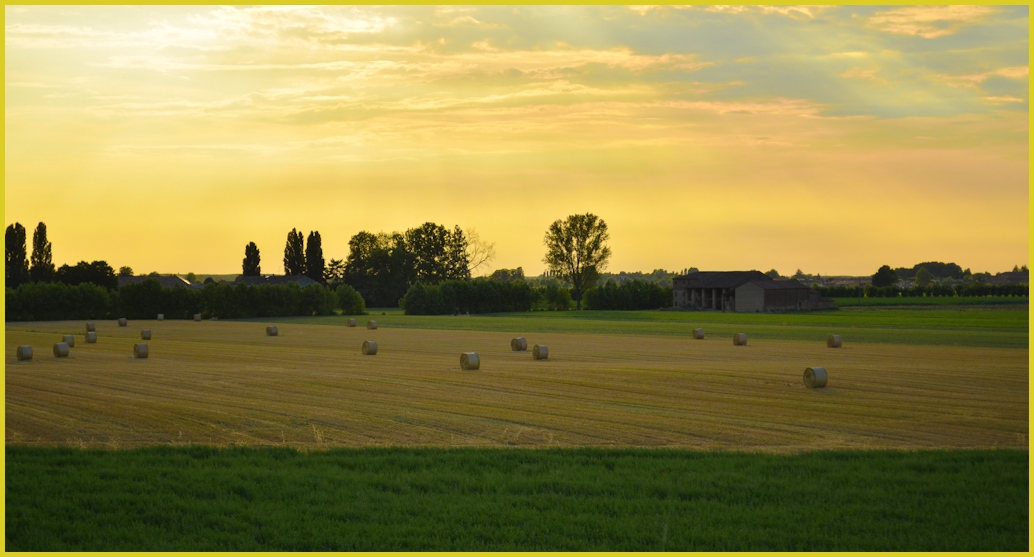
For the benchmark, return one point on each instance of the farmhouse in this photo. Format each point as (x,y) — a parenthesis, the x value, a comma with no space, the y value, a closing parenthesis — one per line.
(301,280)
(167,281)
(744,291)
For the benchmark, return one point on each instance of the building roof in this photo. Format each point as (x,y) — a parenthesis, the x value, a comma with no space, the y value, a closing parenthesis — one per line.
(780,284)
(723,279)
(301,280)
(167,281)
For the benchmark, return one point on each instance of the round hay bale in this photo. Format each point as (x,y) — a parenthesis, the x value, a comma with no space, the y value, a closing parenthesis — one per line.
(833,341)
(122,322)
(739,339)
(161,317)
(469,361)
(60,350)
(698,334)
(371,324)
(145,334)
(91,326)
(197,317)
(272,331)
(91,337)
(815,377)
(351,322)
(69,340)
(24,353)
(369,348)
(539,352)
(518,344)
(139,350)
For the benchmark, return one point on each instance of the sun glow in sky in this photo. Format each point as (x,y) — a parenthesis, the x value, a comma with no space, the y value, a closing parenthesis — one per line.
(830,139)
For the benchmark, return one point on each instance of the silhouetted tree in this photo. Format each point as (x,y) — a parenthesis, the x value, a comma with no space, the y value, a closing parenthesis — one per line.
(885,276)
(125,271)
(576,251)
(314,264)
(42,269)
(335,272)
(294,254)
(250,265)
(97,272)
(16,264)
(773,273)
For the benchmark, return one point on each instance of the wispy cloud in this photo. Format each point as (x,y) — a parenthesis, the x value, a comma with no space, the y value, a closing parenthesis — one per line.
(972,81)
(929,22)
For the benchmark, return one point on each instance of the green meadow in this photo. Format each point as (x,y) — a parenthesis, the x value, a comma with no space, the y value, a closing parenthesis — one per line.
(271,499)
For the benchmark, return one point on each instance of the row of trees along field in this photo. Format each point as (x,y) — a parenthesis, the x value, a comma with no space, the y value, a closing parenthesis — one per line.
(40,301)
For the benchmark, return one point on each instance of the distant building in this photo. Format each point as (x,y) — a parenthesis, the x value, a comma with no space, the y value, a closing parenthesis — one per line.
(300,280)
(744,291)
(167,281)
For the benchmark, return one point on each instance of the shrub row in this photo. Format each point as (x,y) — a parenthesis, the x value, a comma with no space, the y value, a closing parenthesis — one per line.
(480,295)
(870,291)
(145,300)
(631,295)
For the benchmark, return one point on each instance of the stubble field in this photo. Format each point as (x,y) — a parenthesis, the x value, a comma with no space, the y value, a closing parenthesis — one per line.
(226,383)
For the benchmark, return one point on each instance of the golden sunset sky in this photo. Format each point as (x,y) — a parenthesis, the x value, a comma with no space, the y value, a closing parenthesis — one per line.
(833,140)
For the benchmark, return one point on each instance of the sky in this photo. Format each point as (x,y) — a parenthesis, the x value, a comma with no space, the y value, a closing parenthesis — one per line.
(828,139)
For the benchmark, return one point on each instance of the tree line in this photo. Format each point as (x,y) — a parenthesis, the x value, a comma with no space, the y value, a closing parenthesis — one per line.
(892,291)
(41,301)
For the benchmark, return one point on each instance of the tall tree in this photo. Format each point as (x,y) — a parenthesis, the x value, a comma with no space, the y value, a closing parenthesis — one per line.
(314,263)
(576,250)
(429,243)
(335,272)
(42,269)
(250,265)
(380,267)
(294,254)
(16,264)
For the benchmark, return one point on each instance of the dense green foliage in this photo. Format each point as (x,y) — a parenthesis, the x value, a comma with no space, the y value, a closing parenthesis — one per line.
(921,301)
(16,261)
(144,300)
(481,295)
(246,499)
(936,269)
(349,300)
(54,301)
(995,326)
(961,291)
(628,296)
(96,272)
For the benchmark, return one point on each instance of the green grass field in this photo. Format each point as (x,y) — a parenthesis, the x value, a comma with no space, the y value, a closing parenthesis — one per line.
(996,326)
(205,499)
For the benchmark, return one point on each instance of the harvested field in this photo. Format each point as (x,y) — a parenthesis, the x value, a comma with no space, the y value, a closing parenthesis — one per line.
(226,383)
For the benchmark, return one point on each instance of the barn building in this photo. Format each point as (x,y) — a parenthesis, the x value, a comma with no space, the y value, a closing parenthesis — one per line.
(744,291)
